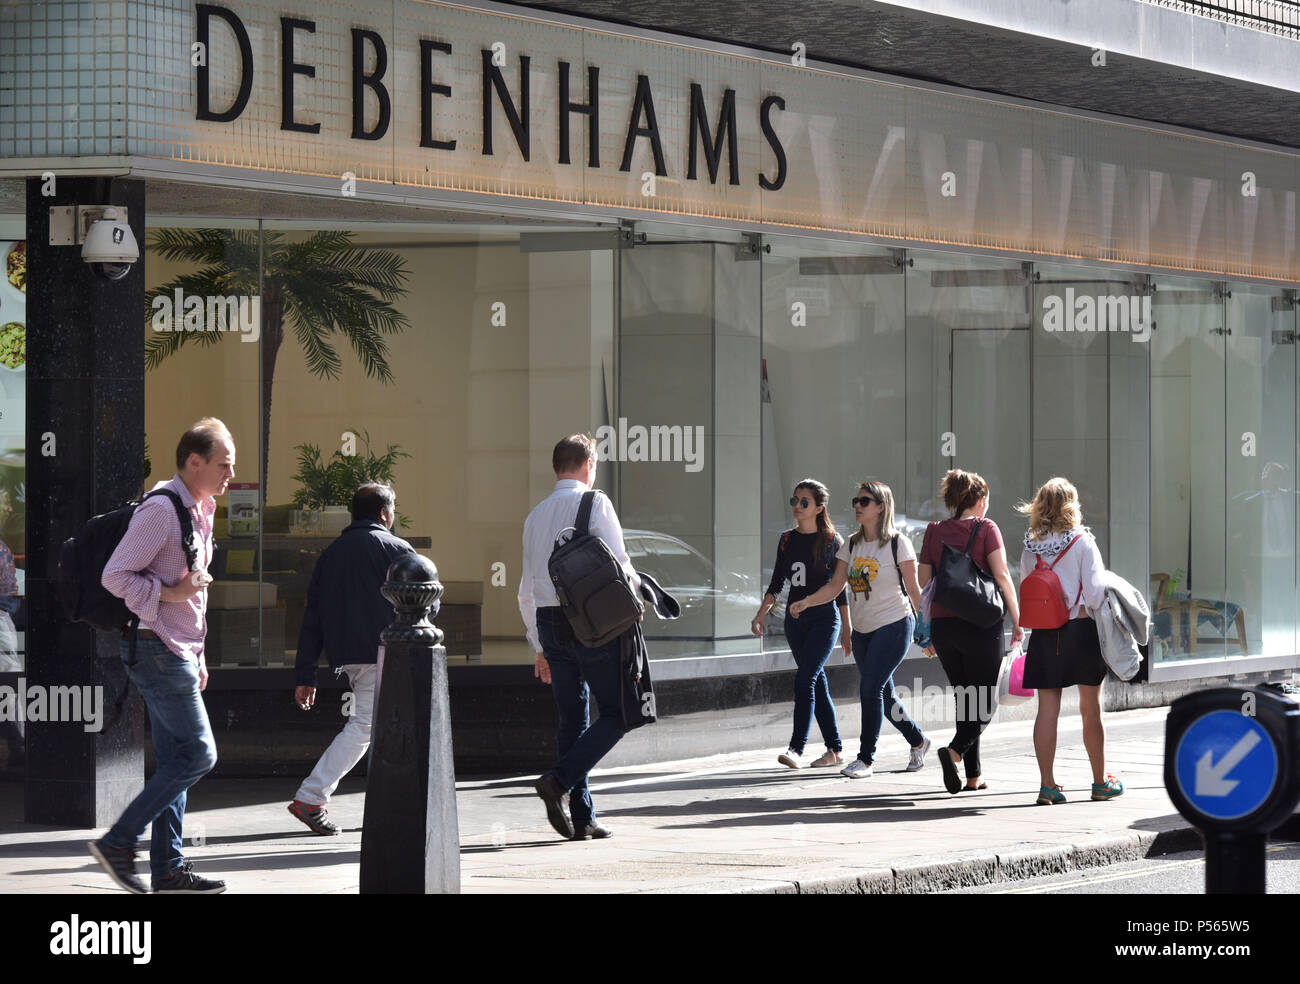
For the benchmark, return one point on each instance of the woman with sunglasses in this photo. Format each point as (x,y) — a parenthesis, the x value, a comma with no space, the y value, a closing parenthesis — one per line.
(805,557)
(879,565)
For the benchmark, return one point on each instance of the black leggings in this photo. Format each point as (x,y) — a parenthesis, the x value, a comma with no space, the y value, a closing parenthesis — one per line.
(972,658)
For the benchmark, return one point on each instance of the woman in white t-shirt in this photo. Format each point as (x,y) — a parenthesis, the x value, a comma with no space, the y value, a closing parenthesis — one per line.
(876,563)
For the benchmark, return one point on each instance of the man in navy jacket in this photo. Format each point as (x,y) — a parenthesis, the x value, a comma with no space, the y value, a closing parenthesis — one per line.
(345,615)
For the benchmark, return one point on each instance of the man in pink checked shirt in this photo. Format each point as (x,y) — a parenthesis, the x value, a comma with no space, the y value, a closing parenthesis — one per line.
(149,570)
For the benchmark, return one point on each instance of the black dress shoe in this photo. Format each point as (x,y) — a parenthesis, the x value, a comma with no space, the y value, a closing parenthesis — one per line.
(552,794)
(592,831)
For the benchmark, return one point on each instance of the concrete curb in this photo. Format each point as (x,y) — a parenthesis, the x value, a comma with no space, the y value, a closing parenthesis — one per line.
(983,869)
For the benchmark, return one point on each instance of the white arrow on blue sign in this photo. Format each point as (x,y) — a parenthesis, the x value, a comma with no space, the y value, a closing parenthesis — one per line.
(1226,764)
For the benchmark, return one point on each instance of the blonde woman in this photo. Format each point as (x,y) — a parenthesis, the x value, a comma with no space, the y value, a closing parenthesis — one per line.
(1071,655)
(879,566)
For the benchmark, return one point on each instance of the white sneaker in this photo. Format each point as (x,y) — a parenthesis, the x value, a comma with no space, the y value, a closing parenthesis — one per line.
(857,769)
(917,759)
(828,759)
(791,758)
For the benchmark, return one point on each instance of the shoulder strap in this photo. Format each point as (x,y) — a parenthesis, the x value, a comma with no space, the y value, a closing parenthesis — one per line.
(187,525)
(973,534)
(584,513)
(1066,550)
(893,545)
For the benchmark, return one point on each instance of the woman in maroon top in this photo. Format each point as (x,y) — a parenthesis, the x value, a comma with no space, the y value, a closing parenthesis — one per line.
(971,656)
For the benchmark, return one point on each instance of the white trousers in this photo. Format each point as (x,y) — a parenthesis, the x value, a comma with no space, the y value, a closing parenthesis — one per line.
(350,744)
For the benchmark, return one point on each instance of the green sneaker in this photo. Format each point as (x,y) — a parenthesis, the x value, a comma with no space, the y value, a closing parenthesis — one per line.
(1050,795)
(1109,789)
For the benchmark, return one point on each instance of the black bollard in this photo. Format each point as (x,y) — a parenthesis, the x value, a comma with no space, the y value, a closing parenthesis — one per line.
(1231,759)
(410,842)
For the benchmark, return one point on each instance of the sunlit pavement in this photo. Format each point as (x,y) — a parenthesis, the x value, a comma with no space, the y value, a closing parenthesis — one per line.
(732,823)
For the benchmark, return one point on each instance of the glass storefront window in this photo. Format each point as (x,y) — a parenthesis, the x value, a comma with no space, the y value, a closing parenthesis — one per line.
(689,391)
(717,369)
(203,342)
(498,342)
(1260,602)
(1188,449)
(13,454)
(834,350)
(969,352)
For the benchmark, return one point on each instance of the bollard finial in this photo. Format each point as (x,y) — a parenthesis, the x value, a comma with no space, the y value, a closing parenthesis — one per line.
(414,590)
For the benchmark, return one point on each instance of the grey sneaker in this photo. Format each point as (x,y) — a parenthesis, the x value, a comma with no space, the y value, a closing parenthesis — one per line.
(857,769)
(917,759)
(791,758)
(183,881)
(119,863)
(827,760)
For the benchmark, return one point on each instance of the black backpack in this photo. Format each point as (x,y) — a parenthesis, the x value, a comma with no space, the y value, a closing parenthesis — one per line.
(964,588)
(83,557)
(591,584)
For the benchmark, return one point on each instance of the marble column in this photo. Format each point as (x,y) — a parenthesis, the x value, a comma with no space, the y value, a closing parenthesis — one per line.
(85,455)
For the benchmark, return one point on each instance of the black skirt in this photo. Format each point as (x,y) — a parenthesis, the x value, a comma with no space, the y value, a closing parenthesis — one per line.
(1065,657)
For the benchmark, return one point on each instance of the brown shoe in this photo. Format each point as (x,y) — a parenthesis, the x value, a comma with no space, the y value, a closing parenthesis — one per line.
(593,831)
(552,794)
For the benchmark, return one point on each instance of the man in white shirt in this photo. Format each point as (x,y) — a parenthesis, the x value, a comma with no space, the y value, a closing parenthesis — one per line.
(572,670)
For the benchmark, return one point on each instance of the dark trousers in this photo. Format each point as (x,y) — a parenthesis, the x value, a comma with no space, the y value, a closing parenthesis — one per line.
(578,673)
(812,637)
(878,654)
(971,658)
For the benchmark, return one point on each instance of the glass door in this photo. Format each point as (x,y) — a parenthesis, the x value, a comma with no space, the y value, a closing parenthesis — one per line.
(685,438)
(1188,452)
(1259,608)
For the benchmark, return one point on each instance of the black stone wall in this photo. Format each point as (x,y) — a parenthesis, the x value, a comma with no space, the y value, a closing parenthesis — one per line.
(85,455)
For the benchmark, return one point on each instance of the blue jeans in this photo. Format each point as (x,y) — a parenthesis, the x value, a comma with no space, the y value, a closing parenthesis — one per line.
(878,654)
(812,637)
(576,672)
(184,752)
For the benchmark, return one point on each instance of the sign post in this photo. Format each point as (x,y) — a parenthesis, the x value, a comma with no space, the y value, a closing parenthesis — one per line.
(1231,759)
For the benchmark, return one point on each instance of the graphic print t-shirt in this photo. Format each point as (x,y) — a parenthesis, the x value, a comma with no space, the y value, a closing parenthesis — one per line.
(876,598)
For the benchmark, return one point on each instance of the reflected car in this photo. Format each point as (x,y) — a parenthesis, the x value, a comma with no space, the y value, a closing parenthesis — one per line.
(688,576)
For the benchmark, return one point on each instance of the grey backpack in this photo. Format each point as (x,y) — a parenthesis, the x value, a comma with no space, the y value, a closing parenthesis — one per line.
(591,584)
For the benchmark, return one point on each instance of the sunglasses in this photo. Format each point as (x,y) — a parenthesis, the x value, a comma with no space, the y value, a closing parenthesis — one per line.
(802,503)
(865,501)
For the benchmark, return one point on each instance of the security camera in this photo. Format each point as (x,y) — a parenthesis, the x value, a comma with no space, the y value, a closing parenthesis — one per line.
(110,247)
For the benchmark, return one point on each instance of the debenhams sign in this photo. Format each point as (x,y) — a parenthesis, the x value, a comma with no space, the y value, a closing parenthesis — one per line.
(476,101)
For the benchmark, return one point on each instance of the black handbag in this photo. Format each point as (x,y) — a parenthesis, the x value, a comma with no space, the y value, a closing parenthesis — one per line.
(963,588)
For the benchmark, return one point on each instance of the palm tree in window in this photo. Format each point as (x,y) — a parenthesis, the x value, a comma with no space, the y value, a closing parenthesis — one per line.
(319,288)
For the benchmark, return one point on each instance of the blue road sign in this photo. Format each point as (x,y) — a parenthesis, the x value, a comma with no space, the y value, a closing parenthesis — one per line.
(1226,764)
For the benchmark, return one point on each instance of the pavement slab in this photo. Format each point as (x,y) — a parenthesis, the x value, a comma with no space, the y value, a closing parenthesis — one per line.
(736,823)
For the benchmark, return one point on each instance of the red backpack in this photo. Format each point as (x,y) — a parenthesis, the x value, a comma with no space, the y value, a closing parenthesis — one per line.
(1042,599)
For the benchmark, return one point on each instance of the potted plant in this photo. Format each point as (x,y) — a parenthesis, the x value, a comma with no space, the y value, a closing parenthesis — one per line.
(325,488)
